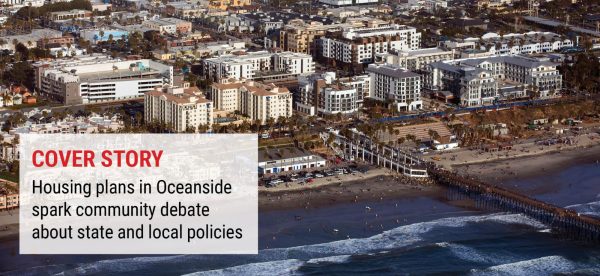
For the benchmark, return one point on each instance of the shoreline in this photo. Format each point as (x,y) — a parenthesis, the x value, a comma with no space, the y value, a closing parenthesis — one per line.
(374,188)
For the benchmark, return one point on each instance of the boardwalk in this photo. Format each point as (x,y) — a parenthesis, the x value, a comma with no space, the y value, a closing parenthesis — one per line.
(567,222)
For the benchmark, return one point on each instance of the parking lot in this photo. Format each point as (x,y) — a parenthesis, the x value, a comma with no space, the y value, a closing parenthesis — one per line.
(317,177)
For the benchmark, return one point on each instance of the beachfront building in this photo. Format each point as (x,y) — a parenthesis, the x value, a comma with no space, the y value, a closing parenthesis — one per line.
(392,82)
(258,101)
(415,59)
(182,109)
(361,45)
(251,64)
(324,94)
(287,159)
(480,81)
(98,78)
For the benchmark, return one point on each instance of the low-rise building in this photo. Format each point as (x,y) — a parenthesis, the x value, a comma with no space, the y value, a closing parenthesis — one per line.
(181,109)
(287,159)
(89,79)
(29,40)
(69,15)
(168,25)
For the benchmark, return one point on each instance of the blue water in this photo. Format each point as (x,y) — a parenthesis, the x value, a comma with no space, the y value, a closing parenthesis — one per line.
(418,236)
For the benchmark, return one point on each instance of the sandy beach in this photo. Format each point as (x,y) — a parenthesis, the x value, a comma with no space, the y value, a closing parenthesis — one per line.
(531,165)
(461,157)
(361,189)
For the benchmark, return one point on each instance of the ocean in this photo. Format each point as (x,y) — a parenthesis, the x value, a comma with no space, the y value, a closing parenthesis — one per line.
(419,236)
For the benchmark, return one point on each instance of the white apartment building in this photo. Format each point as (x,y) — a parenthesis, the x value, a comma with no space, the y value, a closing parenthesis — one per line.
(324,94)
(391,82)
(516,76)
(524,43)
(92,79)
(361,45)
(416,59)
(249,65)
(256,100)
(180,108)
(478,87)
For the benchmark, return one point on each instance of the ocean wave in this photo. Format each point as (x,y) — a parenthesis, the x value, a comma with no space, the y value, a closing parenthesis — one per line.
(401,237)
(590,208)
(284,267)
(473,255)
(541,266)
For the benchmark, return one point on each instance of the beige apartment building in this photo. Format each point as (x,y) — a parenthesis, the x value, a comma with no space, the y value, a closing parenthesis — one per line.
(178,107)
(299,36)
(256,100)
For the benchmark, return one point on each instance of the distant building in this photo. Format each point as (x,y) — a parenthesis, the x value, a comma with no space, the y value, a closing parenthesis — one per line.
(168,25)
(525,43)
(69,15)
(225,4)
(30,40)
(391,82)
(299,35)
(179,108)
(361,45)
(287,159)
(256,100)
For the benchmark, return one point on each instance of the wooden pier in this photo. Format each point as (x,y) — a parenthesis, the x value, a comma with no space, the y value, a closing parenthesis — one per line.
(566,222)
